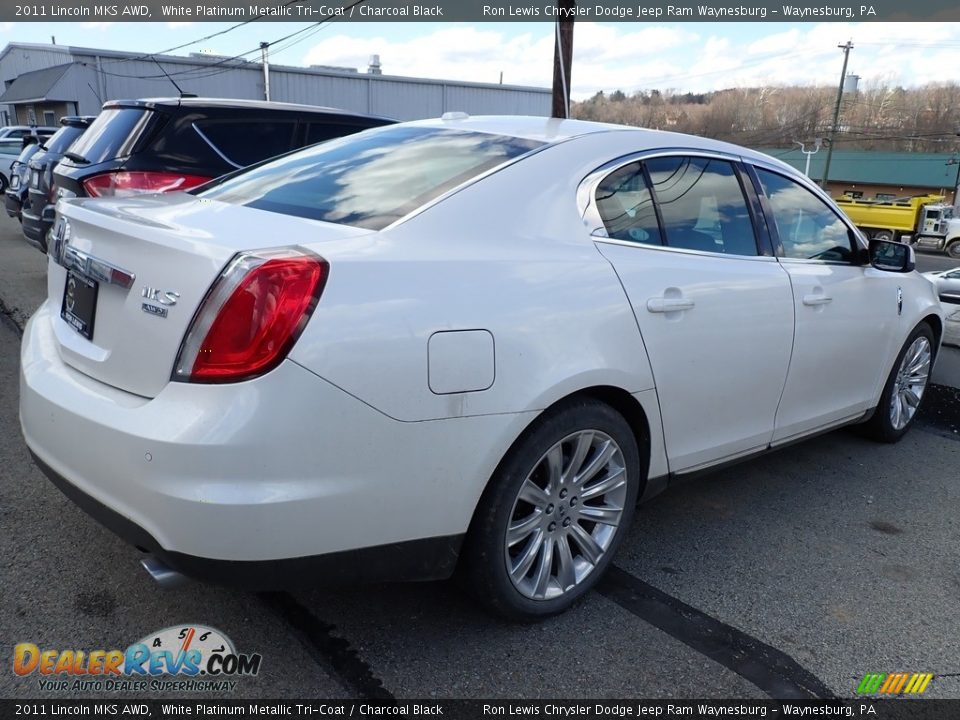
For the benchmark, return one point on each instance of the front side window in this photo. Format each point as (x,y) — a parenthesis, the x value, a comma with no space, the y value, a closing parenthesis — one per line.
(626,206)
(808,228)
(369,179)
(702,205)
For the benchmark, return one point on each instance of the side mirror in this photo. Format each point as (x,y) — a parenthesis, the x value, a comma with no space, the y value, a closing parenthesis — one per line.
(892,256)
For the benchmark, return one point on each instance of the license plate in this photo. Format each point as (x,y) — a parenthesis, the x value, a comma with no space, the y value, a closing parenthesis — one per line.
(79,307)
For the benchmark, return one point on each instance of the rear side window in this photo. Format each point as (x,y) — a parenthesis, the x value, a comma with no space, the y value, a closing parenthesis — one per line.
(62,139)
(244,142)
(808,228)
(369,179)
(113,134)
(702,205)
(626,206)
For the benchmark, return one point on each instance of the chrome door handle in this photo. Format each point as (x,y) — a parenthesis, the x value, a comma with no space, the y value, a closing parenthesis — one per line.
(665,305)
(816,299)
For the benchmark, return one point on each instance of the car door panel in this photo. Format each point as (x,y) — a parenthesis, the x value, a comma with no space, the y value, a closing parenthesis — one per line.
(840,352)
(718,333)
(715,316)
(829,379)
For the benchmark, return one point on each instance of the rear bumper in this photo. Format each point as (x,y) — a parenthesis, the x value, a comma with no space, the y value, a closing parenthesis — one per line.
(12,203)
(425,559)
(36,227)
(249,483)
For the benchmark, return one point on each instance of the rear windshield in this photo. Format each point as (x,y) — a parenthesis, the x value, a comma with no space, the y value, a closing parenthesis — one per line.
(113,134)
(370,179)
(62,139)
(28,152)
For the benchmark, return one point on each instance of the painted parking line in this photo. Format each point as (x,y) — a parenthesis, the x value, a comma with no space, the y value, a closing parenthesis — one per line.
(333,653)
(771,670)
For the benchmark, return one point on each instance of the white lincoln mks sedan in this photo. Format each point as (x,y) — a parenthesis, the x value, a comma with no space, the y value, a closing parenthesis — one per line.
(466,344)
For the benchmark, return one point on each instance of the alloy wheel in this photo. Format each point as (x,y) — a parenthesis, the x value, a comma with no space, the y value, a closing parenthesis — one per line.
(566,515)
(910,383)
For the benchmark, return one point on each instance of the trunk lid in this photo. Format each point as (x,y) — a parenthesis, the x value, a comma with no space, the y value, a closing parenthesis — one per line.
(175,246)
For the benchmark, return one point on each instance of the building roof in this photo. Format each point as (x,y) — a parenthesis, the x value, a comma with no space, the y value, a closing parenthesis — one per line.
(926,170)
(35,85)
(85,55)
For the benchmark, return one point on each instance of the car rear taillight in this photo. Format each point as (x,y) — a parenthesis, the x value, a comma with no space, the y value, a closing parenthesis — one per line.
(124,183)
(252,316)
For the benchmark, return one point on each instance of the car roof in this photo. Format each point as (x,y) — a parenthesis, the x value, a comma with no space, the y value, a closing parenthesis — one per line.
(555,130)
(235,103)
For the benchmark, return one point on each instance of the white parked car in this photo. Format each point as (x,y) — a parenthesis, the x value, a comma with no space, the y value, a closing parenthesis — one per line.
(19,131)
(948,284)
(9,151)
(467,342)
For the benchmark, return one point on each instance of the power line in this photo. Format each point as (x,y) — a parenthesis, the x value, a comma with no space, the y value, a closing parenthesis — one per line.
(205,71)
(147,56)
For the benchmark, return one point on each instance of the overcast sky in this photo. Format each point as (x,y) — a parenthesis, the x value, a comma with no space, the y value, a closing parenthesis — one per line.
(607,56)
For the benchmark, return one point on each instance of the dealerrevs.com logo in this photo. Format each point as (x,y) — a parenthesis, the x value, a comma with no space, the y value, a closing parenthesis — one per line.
(179,658)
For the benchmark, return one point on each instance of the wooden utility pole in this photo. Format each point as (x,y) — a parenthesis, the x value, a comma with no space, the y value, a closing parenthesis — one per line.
(265,59)
(846,47)
(563,57)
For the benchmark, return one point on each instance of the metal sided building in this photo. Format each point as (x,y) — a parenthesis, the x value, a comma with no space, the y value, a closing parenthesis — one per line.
(42,83)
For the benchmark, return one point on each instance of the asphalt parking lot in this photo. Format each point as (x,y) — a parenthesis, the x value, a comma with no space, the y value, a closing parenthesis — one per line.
(788,576)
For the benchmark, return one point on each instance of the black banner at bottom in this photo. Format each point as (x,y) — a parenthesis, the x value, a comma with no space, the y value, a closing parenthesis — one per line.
(469,709)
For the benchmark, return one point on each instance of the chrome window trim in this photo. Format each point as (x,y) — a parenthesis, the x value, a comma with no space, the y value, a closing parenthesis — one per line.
(213,147)
(586,191)
(590,214)
(818,192)
(682,251)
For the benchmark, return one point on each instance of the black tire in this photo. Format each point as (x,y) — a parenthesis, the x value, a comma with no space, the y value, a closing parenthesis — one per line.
(884,235)
(880,426)
(484,560)
(953,249)
(3,183)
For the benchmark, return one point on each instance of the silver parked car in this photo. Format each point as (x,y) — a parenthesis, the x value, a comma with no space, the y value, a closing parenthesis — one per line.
(948,284)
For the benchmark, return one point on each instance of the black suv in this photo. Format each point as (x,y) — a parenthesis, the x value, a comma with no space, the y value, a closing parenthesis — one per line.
(160,145)
(16,193)
(37,212)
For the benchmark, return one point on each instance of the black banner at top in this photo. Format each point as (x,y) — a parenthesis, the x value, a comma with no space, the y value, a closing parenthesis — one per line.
(478,11)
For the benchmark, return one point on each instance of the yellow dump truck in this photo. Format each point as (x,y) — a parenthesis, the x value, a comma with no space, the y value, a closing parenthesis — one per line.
(923,220)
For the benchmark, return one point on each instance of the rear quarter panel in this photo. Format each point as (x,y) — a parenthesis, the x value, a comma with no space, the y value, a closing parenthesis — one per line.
(508,255)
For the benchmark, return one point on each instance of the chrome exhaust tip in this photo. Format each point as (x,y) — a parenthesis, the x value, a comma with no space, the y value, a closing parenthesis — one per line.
(165,576)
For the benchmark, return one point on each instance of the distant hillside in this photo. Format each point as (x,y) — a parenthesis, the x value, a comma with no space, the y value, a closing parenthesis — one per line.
(924,119)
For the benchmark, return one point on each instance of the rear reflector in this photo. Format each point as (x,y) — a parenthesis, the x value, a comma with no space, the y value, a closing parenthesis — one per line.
(252,316)
(124,183)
